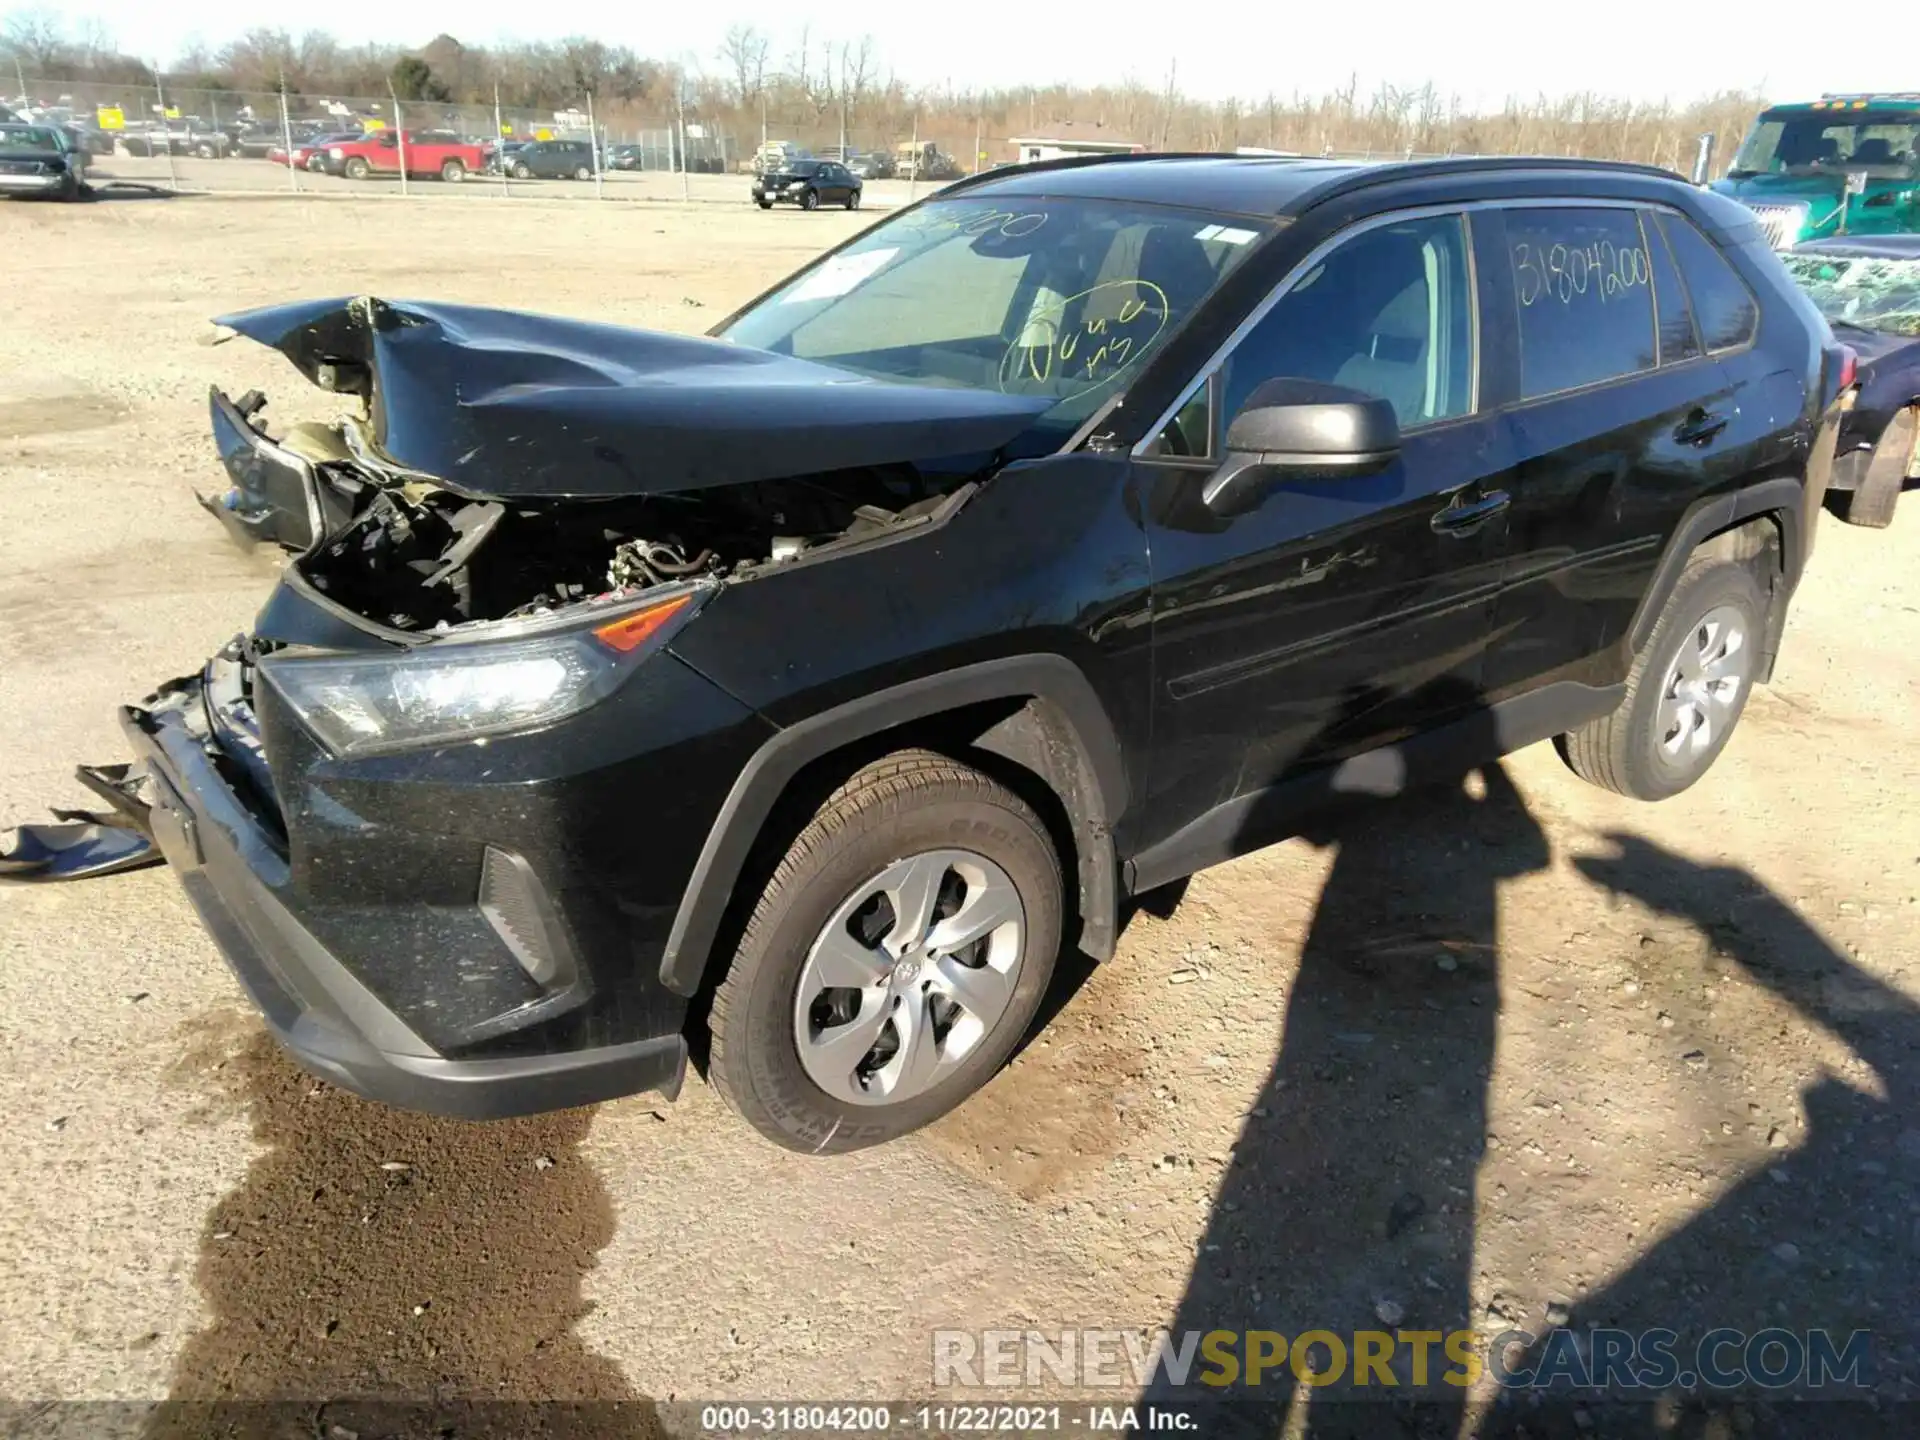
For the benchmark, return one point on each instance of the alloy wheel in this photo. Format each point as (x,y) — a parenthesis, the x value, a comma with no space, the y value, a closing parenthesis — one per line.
(909,975)
(1703,685)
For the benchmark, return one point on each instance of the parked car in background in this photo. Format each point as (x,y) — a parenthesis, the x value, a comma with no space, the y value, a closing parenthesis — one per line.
(773,154)
(89,138)
(41,160)
(423,152)
(1840,165)
(923,160)
(871,165)
(311,153)
(625,157)
(552,160)
(808,184)
(258,142)
(189,136)
(1868,287)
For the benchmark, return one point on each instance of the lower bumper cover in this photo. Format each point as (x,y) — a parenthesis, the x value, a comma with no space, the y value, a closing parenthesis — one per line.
(331,1023)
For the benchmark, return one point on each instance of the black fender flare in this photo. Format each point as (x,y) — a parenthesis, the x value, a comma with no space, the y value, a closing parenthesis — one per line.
(1784,498)
(1067,716)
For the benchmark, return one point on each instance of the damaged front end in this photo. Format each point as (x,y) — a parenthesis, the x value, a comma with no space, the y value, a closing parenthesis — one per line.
(500,466)
(440,805)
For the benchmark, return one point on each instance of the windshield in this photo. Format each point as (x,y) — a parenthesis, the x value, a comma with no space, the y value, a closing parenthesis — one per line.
(1796,143)
(1059,298)
(29,137)
(1864,291)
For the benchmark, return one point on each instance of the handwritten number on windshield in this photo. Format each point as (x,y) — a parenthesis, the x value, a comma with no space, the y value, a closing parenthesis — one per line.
(1070,342)
(1567,273)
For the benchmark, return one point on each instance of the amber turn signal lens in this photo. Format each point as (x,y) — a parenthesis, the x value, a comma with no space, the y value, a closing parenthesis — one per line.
(630,632)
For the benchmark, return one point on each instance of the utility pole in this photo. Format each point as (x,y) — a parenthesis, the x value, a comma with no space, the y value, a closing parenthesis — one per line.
(843,104)
(399,136)
(680,100)
(499,134)
(286,136)
(166,134)
(593,139)
(1166,120)
(913,175)
(978,154)
(18,78)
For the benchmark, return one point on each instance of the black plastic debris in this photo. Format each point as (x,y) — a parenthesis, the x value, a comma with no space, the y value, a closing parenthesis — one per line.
(81,844)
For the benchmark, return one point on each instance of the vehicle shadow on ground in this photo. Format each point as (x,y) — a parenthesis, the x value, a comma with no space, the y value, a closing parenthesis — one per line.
(1349,1200)
(126,190)
(1827,1237)
(379,1272)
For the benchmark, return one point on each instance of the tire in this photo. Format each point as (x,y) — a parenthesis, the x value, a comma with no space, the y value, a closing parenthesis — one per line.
(452,171)
(810,200)
(912,813)
(1871,503)
(853,198)
(1637,750)
(356,168)
(583,172)
(522,171)
(764,204)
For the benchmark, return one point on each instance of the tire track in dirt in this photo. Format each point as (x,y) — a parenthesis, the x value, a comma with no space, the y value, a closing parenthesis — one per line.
(383,1272)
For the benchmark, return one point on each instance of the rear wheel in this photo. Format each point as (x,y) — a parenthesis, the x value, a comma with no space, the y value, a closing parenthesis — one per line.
(853,198)
(522,171)
(895,958)
(810,200)
(452,171)
(1871,503)
(584,172)
(1686,689)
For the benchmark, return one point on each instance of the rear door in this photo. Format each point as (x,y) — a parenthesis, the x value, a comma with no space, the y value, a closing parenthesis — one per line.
(1620,423)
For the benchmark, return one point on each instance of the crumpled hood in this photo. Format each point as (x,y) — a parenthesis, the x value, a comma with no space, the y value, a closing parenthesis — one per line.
(499,403)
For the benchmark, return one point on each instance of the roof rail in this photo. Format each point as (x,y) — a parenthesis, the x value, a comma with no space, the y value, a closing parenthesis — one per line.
(1870,95)
(1362,172)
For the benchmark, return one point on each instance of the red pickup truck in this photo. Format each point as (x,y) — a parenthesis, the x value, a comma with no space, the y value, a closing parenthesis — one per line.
(428,152)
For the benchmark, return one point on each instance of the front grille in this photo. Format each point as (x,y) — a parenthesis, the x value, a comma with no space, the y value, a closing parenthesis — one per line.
(1782,223)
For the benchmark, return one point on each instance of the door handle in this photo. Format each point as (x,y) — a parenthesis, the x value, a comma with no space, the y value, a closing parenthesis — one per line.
(1463,517)
(1699,427)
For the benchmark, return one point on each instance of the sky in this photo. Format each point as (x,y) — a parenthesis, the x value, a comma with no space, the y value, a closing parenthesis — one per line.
(1480,50)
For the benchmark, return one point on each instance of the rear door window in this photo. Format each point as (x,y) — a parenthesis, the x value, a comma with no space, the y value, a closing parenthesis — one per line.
(1583,296)
(1722,304)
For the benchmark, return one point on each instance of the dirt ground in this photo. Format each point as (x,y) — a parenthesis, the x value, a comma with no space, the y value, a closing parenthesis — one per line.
(1511,1051)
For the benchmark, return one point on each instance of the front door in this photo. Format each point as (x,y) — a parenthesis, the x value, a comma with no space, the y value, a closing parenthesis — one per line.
(1341,614)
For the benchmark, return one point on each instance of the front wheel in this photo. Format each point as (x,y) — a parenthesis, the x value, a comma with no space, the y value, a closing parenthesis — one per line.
(453,171)
(356,168)
(896,957)
(522,172)
(810,200)
(764,204)
(1685,692)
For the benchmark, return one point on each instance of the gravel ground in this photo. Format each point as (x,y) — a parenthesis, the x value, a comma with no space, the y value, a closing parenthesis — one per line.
(1511,1050)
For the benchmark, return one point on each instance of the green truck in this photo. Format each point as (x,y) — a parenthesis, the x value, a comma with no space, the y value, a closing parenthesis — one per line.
(1839,165)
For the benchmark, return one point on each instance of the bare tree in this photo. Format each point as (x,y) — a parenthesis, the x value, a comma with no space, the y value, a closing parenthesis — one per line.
(744,49)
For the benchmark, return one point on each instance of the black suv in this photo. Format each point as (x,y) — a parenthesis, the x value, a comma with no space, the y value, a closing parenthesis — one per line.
(797,694)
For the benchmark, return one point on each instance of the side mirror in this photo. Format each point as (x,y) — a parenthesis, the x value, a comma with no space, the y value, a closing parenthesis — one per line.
(1300,429)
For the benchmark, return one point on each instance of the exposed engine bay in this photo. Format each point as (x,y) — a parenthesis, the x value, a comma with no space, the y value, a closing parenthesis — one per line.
(410,555)
(439,559)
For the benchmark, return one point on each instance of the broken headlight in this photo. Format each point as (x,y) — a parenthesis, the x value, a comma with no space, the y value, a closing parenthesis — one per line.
(445,693)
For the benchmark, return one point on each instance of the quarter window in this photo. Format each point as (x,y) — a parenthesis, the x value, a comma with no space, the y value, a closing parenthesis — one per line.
(1583,293)
(1722,303)
(1678,339)
(1389,313)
